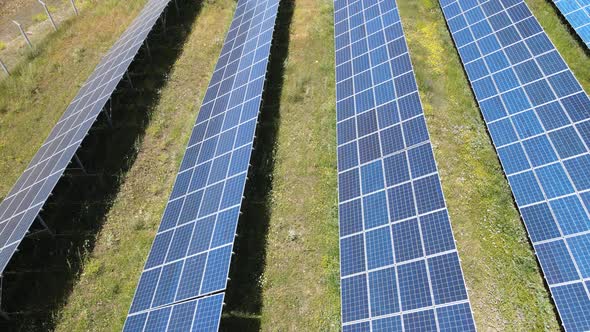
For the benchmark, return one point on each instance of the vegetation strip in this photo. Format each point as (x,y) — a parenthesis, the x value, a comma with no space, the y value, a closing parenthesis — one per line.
(502,275)
(506,289)
(101,297)
(300,284)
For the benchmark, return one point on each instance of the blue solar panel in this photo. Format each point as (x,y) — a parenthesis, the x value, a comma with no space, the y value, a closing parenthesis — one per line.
(26,198)
(399,264)
(577,13)
(199,315)
(192,251)
(538,117)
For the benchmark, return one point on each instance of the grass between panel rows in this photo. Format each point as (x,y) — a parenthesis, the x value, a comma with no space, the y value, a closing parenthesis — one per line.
(102,296)
(564,38)
(504,280)
(300,284)
(41,88)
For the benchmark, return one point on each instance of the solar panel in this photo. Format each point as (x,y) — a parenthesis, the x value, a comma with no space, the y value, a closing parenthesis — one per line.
(25,200)
(577,13)
(191,253)
(398,262)
(538,118)
(201,314)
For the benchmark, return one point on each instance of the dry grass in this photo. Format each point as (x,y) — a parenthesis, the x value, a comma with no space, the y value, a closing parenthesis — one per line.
(505,283)
(101,298)
(39,90)
(301,278)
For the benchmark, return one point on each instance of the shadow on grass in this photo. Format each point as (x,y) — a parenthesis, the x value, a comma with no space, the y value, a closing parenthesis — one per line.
(40,277)
(244,293)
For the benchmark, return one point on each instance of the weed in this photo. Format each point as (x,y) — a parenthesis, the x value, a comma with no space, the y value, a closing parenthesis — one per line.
(38,18)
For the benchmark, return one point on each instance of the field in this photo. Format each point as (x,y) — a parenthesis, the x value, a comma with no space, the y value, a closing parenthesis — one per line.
(286,273)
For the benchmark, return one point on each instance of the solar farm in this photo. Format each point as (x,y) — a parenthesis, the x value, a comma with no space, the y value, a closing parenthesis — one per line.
(312,165)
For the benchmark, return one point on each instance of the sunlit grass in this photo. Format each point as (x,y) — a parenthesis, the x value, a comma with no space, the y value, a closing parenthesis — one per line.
(504,281)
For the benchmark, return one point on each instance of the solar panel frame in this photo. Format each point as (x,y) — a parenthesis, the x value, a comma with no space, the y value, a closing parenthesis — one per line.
(384,155)
(22,204)
(202,314)
(538,117)
(191,253)
(577,13)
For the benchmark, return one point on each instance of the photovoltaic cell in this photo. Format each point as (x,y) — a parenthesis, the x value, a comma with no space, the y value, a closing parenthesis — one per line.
(197,315)
(191,253)
(399,264)
(26,198)
(577,13)
(538,117)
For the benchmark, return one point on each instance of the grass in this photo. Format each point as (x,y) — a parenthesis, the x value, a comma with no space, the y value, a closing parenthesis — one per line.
(505,284)
(40,89)
(38,18)
(301,277)
(102,296)
(565,39)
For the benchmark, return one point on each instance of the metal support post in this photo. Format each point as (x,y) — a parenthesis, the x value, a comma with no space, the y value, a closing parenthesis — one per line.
(163,20)
(4,68)
(74,6)
(147,48)
(129,79)
(108,112)
(22,32)
(48,14)
(176,5)
(79,163)
(42,222)
(3,313)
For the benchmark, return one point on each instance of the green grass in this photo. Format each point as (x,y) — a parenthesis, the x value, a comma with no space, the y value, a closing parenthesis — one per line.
(504,281)
(300,282)
(37,18)
(564,39)
(102,296)
(39,90)
(301,277)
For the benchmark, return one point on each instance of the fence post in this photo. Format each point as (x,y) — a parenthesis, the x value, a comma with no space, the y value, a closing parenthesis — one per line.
(22,32)
(4,68)
(48,14)
(74,6)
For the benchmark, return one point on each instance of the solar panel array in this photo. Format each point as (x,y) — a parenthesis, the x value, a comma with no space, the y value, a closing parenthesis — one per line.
(400,269)
(191,254)
(201,314)
(539,119)
(24,202)
(577,13)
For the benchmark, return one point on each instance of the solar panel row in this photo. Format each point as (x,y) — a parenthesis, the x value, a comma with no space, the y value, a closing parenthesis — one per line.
(191,254)
(24,202)
(539,119)
(197,315)
(399,265)
(577,13)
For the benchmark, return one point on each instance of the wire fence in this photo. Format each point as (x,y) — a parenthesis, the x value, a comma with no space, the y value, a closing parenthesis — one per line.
(28,30)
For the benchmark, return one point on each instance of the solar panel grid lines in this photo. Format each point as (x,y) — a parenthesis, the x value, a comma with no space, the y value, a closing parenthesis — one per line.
(49,147)
(393,272)
(202,314)
(191,254)
(577,13)
(20,207)
(539,118)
